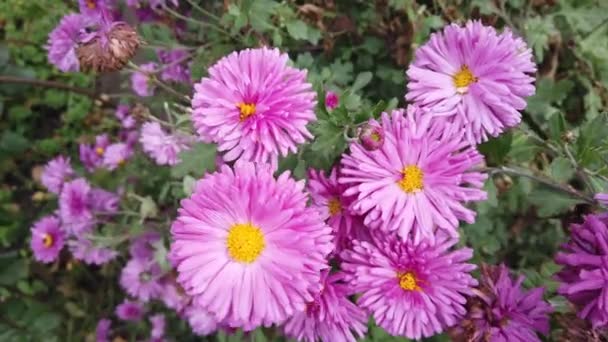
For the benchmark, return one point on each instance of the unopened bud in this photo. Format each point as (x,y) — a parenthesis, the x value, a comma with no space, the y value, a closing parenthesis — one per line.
(331,100)
(108,49)
(568,137)
(371,137)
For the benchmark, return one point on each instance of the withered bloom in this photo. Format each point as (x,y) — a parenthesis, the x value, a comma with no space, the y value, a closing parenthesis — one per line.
(574,329)
(501,310)
(109,47)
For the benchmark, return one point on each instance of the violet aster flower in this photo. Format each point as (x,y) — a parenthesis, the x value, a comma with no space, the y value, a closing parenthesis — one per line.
(474,74)
(164,148)
(175,65)
(501,310)
(584,277)
(141,81)
(254,106)
(418,181)
(130,311)
(158,327)
(47,239)
(93,8)
(91,156)
(127,121)
(328,197)
(102,331)
(55,173)
(330,317)
(103,202)
(574,329)
(63,41)
(412,290)
(74,208)
(238,236)
(116,155)
(83,249)
(140,278)
(142,246)
(201,321)
(331,100)
(602,198)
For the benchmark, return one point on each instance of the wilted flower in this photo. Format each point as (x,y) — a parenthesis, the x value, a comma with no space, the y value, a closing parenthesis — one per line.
(238,236)
(55,173)
(411,290)
(584,277)
(574,329)
(141,81)
(254,106)
(63,41)
(331,100)
(371,136)
(163,147)
(474,76)
(130,311)
(109,46)
(330,317)
(47,239)
(501,310)
(419,180)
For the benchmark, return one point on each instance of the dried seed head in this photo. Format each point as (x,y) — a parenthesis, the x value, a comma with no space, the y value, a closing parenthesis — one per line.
(109,49)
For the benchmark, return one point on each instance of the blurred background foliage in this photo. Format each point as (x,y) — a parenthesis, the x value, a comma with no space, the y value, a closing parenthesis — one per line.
(544,173)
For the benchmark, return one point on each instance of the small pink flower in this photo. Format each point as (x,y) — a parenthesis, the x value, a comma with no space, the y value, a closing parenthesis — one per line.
(331,100)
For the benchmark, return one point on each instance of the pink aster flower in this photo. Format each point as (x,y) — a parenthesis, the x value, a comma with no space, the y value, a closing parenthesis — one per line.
(330,317)
(418,181)
(93,8)
(201,321)
(102,331)
(174,296)
(91,156)
(83,249)
(122,113)
(175,67)
(475,75)
(331,100)
(116,155)
(130,311)
(501,310)
(412,290)
(246,247)
(63,41)
(158,327)
(140,80)
(55,173)
(254,105)
(584,277)
(164,148)
(142,246)
(103,202)
(74,208)
(47,239)
(328,197)
(140,278)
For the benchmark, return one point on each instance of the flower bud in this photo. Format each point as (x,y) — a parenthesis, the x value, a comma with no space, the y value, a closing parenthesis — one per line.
(371,137)
(331,100)
(108,49)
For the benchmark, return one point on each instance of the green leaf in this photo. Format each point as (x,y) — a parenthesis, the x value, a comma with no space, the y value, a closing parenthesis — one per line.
(497,149)
(550,202)
(195,161)
(297,29)
(361,81)
(561,169)
(148,208)
(13,270)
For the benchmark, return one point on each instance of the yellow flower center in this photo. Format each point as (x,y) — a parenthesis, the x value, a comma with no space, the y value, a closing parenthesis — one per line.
(100,151)
(334,206)
(247,110)
(245,242)
(412,180)
(408,281)
(375,136)
(463,78)
(47,240)
(91,4)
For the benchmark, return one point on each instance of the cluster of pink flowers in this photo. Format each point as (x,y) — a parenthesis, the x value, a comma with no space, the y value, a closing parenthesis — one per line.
(248,248)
